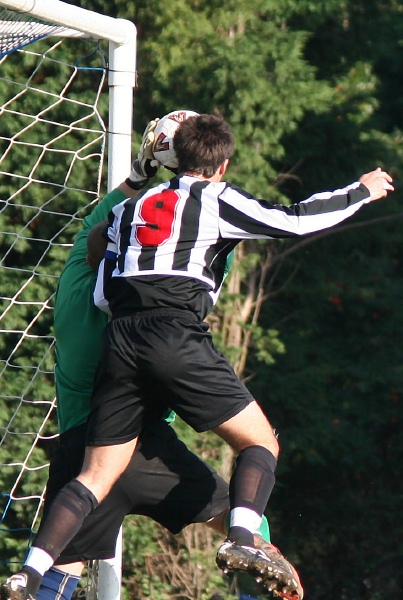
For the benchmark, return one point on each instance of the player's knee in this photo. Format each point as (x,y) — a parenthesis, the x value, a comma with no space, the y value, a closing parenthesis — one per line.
(274,445)
(265,435)
(270,442)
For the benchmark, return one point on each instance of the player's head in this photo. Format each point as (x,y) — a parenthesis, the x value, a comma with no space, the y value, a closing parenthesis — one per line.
(202,144)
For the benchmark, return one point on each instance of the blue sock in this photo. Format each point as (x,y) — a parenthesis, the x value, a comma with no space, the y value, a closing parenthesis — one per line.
(57,585)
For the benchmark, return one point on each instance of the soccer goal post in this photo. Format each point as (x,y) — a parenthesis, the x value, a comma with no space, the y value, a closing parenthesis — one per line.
(66,108)
(122,37)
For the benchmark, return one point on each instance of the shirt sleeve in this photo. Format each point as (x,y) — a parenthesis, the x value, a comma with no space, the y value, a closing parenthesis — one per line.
(104,206)
(243,216)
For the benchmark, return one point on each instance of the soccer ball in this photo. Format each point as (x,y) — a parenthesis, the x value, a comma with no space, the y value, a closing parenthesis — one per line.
(164,133)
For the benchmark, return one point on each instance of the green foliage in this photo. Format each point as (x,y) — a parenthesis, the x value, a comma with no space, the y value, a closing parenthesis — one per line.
(240,61)
(336,400)
(266,344)
(158,564)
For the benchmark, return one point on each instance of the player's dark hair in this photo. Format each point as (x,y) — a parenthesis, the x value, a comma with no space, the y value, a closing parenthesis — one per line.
(202,143)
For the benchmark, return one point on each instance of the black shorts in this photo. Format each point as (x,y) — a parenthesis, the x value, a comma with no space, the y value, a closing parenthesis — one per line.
(159,359)
(164,481)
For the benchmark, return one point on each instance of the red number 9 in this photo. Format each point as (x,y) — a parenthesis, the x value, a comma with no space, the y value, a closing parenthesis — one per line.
(158,213)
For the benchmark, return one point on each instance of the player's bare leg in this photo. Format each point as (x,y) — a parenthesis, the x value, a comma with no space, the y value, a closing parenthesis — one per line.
(103,465)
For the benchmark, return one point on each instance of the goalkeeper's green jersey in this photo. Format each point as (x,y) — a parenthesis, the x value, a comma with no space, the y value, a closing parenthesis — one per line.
(78,325)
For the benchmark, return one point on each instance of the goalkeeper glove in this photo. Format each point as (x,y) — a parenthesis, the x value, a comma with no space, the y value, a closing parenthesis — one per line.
(145,166)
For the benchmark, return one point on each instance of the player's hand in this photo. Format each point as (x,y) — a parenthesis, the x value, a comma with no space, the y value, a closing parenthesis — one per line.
(378,182)
(145,166)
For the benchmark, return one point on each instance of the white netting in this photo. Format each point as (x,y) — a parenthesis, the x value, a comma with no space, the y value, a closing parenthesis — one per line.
(52,144)
(20,29)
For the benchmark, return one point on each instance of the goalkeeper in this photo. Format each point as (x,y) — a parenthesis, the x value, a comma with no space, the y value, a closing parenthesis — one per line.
(164,481)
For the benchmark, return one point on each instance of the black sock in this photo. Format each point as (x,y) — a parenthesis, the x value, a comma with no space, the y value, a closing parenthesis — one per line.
(250,487)
(253,479)
(34,581)
(240,536)
(64,518)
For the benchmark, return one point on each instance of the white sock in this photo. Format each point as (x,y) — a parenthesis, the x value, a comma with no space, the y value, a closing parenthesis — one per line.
(39,560)
(246,518)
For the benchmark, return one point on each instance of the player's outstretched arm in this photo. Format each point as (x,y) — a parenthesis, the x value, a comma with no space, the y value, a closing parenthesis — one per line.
(378,182)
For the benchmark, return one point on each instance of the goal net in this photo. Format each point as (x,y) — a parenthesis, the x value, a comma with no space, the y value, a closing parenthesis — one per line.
(60,119)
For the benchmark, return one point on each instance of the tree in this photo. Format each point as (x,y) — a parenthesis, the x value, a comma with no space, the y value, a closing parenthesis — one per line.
(335,398)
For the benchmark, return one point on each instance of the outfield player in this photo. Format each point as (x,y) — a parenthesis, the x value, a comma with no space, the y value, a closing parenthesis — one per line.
(164,480)
(168,249)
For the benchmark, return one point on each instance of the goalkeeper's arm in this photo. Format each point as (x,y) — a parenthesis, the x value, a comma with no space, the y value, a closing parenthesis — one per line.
(96,244)
(145,166)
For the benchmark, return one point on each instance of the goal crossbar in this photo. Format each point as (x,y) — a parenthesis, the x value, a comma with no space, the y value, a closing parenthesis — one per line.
(100,26)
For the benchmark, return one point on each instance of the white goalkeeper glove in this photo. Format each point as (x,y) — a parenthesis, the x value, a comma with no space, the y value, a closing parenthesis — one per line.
(145,166)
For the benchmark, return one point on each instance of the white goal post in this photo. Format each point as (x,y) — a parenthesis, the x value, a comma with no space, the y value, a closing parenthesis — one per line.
(32,20)
(122,37)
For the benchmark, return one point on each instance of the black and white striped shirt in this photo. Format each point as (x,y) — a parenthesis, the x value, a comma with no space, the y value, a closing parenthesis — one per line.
(179,234)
